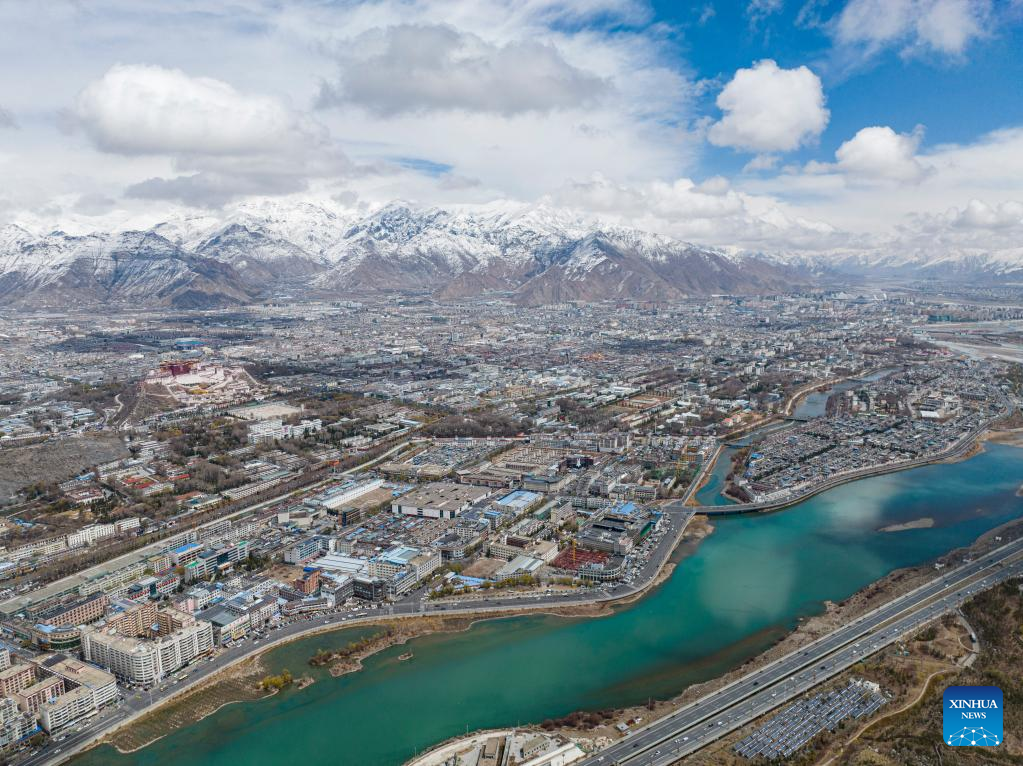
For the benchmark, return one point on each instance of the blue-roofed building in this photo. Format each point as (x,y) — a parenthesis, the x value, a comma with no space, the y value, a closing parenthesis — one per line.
(519,500)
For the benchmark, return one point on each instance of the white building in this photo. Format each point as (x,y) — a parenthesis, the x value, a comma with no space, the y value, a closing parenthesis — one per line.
(266,431)
(14,725)
(336,499)
(143,661)
(89,689)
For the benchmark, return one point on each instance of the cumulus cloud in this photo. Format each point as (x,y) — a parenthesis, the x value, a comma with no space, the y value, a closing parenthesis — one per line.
(769,109)
(575,86)
(709,213)
(139,109)
(881,154)
(226,143)
(761,162)
(7,119)
(881,216)
(979,215)
(500,100)
(412,68)
(942,26)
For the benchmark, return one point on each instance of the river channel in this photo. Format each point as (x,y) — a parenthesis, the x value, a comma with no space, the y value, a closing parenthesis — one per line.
(745,586)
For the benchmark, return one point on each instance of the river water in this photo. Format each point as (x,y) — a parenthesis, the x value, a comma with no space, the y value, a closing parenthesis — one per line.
(743,588)
(813,405)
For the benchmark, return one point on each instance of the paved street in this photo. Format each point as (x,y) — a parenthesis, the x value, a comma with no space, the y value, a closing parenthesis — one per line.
(656,744)
(690,728)
(676,518)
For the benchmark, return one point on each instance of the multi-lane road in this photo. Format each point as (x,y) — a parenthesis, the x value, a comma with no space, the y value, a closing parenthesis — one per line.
(688,729)
(138,702)
(649,743)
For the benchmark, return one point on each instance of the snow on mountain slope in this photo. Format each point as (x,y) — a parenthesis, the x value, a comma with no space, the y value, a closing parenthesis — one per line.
(143,267)
(532,252)
(975,265)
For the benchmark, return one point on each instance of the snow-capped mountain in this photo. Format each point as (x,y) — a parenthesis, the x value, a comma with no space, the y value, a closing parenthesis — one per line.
(971,264)
(531,253)
(138,266)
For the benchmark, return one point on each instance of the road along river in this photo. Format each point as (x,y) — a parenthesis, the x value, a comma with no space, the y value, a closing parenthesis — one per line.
(744,586)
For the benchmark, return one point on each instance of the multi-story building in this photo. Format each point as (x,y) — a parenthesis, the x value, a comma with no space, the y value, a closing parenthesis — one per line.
(90,534)
(425,564)
(15,679)
(142,661)
(308,583)
(80,612)
(302,551)
(44,690)
(15,725)
(113,583)
(136,619)
(57,713)
(228,625)
(87,689)
(185,554)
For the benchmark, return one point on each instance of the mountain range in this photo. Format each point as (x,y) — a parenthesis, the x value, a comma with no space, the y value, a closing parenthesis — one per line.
(532,255)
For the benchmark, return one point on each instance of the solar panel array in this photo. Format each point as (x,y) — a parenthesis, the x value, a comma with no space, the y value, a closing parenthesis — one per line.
(803,720)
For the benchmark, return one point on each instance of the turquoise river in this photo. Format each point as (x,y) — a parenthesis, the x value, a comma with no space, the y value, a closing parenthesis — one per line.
(730,598)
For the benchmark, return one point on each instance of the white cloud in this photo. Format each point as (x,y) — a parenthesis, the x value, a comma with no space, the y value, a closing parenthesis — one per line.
(7,119)
(224,110)
(881,154)
(988,169)
(226,143)
(761,162)
(759,11)
(554,89)
(139,109)
(979,215)
(413,68)
(946,27)
(709,213)
(769,109)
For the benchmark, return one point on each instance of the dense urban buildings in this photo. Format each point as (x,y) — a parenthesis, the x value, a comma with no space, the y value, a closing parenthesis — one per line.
(244,470)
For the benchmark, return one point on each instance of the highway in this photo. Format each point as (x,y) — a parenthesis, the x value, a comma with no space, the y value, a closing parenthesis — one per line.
(67,584)
(658,550)
(686,730)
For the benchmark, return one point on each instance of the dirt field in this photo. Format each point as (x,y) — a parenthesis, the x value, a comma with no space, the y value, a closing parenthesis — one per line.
(56,460)
(913,737)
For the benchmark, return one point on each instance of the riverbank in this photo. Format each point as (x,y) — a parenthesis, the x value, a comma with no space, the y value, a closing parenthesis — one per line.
(751,583)
(1011,436)
(597,730)
(210,694)
(238,682)
(959,455)
(220,696)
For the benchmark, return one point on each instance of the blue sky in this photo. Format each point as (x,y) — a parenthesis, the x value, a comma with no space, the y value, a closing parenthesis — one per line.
(957,98)
(814,126)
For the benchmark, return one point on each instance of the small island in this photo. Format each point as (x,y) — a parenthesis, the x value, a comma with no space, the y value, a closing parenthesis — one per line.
(923,523)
